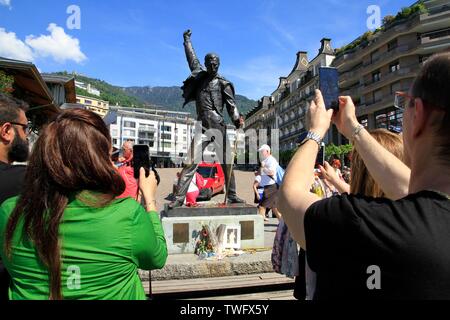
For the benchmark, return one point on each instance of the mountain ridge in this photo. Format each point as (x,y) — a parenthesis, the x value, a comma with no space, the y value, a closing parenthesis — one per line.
(167,97)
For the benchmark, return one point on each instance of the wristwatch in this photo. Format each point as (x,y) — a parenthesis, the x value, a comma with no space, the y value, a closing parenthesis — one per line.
(312,136)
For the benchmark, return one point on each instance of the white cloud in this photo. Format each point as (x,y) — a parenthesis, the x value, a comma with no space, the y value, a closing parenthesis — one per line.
(6,3)
(58,45)
(13,48)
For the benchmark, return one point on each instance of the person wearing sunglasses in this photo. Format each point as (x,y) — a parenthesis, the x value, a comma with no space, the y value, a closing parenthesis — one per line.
(391,247)
(13,148)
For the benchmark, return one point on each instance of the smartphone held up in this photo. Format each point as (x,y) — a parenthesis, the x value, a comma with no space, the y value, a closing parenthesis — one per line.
(141,159)
(329,86)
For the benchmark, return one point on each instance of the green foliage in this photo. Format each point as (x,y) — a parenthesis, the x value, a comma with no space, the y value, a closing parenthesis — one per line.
(387,20)
(204,243)
(364,38)
(408,11)
(331,150)
(337,151)
(6,83)
(83,92)
(113,94)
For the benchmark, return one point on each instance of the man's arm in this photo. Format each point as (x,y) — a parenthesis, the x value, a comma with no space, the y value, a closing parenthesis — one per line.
(255,189)
(295,196)
(387,170)
(191,57)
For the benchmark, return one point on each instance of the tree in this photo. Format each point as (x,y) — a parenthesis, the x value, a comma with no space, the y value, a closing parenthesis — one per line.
(6,83)
(337,151)
(388,19)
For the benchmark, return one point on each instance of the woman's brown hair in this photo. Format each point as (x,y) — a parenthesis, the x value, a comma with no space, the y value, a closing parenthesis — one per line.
(71,155)
(361,181)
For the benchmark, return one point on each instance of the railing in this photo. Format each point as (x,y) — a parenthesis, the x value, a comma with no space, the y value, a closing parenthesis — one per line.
(389,54)
(444,8)
(147,129)
(289,135)
(364,108)
(350,74)
(387,78)
(429,39)
(353,91)
(296,118)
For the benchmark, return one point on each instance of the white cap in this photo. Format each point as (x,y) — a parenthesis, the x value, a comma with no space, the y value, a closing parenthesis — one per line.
(264,147)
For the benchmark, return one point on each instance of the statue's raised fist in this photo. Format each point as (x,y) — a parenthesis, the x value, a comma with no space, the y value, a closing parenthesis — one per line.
(187,34)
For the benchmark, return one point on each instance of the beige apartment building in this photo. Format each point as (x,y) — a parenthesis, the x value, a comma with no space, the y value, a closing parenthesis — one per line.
(98,106)
(388,61)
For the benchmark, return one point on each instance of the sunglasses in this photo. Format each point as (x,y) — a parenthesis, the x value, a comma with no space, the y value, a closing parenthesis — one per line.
(26,128)
(402,100)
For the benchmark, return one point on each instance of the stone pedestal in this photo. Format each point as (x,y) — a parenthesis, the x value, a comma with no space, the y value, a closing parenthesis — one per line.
(182,225)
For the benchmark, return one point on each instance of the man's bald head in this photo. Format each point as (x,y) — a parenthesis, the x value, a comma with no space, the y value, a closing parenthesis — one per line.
(128,145)
(127,149)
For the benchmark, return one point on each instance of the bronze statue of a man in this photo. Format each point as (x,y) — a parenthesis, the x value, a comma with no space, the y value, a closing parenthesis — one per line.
(211,92)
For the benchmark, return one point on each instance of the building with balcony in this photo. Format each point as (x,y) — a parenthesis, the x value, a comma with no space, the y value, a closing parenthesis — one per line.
(291,98)
(262,116)
(388,60)
(167,133)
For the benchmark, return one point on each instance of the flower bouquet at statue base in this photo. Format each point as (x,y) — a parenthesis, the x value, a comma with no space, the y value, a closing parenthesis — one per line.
(206,244)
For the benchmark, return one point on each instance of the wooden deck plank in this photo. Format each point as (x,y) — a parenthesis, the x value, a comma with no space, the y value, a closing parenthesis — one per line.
(225,279)
(235,282)
(205,284)
(275,295)
(215,285)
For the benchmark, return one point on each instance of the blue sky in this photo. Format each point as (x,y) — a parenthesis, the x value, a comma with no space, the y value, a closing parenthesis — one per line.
(133,42)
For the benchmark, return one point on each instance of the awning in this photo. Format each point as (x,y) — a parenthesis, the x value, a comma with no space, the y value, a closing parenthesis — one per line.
(29,86)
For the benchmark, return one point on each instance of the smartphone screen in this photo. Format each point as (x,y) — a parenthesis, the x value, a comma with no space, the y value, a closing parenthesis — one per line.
(321,155)
(141,158)
(329,86)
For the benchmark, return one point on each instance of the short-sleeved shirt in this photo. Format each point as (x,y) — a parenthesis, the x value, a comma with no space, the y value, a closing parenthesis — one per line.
(131,184)
(101,250)
(260,187)
(269,164)
(366,248)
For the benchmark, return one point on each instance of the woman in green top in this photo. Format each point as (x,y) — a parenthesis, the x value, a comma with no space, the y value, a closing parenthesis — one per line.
(66,237)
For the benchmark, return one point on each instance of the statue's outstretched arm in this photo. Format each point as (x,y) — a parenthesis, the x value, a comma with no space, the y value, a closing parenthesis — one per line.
(191,57)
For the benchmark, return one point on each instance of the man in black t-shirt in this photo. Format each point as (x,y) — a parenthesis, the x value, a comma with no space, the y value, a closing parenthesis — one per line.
(379,248)
(13,148)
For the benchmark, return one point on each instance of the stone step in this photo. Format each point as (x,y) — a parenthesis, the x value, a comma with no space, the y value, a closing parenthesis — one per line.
(188,266)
